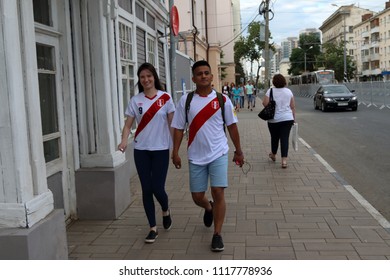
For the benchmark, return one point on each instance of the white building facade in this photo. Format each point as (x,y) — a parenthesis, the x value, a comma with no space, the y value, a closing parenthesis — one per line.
(68,69)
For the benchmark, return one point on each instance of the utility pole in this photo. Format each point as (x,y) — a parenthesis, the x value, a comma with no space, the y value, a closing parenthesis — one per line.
(345,51)
(266,47)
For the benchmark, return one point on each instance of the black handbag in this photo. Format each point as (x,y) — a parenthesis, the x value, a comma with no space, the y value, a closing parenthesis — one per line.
(268,111)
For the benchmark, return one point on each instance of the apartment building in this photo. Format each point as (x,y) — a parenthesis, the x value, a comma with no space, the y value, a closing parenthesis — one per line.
(340,24)
(287,46)
(372,42)
(208,30)
(339,27)
(67,71)
(367,35)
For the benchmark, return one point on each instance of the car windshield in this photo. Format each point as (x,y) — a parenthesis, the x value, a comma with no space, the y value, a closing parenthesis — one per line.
(336,90)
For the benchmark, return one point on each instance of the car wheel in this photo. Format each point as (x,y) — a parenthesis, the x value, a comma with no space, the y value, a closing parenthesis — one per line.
(323,107)
(315,105)
(354,108)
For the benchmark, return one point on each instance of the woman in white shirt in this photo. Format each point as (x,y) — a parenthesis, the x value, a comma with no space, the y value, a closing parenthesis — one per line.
(153,110)
(280,126)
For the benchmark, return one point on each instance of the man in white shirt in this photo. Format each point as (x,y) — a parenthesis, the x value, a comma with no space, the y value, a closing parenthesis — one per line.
(207,147)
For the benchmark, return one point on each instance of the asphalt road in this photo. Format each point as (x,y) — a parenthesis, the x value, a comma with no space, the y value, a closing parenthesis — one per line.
(355,144)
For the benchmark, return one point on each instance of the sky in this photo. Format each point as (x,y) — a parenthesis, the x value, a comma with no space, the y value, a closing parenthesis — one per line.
(290,16)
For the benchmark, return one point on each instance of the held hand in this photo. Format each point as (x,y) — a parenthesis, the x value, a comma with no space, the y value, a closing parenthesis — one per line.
(239,159)
(176,160)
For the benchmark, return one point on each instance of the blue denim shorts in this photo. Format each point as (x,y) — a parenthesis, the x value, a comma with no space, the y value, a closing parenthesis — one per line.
(216,171)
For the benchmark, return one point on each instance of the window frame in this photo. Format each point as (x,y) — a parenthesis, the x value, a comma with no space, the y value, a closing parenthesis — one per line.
(151,49)
(54,166)
(128,77)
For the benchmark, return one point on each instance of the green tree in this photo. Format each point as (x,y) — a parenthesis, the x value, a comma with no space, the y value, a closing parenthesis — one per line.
(333,58)
(239,53)
(223,67)
(309,44)
(239,71)
(255,45)
(250,47)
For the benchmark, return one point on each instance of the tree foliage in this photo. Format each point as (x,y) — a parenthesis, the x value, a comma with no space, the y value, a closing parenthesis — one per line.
(333,58)
(250,47)
(309,44)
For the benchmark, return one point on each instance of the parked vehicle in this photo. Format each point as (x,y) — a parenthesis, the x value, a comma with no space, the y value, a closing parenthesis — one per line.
(335,96)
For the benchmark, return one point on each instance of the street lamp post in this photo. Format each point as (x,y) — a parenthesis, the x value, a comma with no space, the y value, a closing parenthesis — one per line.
(304,52)
(305,56)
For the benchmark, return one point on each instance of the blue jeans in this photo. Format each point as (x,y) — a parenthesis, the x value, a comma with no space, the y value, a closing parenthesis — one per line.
(152,168)
(242,101)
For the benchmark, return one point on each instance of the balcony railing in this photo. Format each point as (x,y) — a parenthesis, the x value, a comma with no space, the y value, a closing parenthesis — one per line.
(375,56)
(374,30)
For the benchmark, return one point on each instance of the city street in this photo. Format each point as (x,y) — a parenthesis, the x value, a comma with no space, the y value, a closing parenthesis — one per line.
(353,143)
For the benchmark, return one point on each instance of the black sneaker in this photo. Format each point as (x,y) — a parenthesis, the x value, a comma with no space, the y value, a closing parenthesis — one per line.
(167,221)
(151,236)
(208,216)
(217,243)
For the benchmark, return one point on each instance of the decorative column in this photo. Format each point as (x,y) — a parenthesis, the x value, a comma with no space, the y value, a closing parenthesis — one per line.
(102,182)
(27,217)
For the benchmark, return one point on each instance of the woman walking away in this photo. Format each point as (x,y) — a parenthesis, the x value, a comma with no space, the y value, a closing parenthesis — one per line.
(153,110)
(280,126)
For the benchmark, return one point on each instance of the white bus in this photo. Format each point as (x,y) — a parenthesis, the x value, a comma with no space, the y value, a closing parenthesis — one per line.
(316,77)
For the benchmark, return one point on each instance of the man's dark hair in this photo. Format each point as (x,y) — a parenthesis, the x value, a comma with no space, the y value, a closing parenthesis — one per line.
(200,63)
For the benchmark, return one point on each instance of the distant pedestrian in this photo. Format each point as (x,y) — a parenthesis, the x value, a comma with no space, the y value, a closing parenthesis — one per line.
(280,126)
(226,89)
(242,95)
(153,110)
(249,95)
(236,91)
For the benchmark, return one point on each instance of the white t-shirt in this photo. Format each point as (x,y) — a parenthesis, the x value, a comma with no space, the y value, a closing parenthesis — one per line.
(282,97)
(210,141)
(156,134)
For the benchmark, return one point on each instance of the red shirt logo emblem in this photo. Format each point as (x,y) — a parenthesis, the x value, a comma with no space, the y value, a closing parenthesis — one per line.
(215,105)
(160,102)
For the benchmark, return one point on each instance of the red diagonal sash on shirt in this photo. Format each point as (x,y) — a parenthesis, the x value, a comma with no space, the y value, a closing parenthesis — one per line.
(201,118)
(151,112)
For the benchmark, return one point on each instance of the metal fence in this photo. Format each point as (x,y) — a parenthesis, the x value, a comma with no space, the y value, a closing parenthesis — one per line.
(375,94)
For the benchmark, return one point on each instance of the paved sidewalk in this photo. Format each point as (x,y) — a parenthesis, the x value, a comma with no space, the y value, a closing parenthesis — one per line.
(303,212)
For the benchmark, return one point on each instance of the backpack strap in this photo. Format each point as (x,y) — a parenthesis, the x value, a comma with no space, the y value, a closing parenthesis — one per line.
(188,101)
(222,106)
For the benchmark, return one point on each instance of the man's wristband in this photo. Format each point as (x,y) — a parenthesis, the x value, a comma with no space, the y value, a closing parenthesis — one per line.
(238,153)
